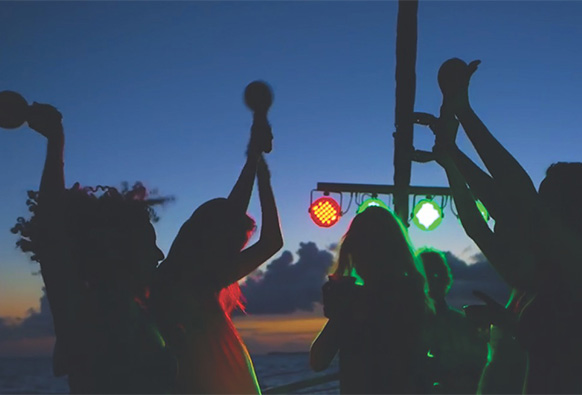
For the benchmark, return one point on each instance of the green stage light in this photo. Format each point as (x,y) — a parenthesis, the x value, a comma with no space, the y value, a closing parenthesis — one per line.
(427,215)
(372,202)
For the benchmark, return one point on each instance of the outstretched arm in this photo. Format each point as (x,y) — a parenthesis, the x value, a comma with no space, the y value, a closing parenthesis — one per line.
(508,174)
(271,238)
(461,170)
(62,288)
(324,347)
(241,192)
(46,120)
(261,141)
(502,256)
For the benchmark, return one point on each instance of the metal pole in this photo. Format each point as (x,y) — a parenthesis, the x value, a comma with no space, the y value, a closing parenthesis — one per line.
(406,39)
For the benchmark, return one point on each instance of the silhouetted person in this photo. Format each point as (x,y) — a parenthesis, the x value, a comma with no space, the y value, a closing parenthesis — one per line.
(534,245)
(458,349)
(378,328)
(197,285)
(97,252)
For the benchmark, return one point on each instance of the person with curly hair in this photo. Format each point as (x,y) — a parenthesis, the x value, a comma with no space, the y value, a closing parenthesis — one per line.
(379,328)
(197,289)
(97,253)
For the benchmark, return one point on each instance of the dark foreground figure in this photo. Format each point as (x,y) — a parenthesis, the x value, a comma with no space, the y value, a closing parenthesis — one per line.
(535,243)
(196,287)
(97,251)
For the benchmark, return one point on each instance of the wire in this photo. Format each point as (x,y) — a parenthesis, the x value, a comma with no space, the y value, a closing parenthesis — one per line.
(349,204)
(453,210)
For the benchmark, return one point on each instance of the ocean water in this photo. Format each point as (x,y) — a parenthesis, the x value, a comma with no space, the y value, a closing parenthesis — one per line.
(34,375)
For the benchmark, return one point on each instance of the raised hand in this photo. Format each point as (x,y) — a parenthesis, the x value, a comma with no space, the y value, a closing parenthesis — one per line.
(263,173)
(453,77)
(261,137)
(45,119)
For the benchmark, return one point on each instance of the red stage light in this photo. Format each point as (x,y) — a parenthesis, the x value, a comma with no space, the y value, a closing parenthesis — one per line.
(325,212)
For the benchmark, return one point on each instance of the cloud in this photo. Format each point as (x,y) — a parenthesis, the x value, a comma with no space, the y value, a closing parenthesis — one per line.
(287,286)
(479,276)
(36,325)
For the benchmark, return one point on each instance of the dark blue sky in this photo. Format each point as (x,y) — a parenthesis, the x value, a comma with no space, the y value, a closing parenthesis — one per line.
(152,91)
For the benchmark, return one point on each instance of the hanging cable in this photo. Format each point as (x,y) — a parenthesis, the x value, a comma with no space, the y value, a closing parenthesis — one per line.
(349,204)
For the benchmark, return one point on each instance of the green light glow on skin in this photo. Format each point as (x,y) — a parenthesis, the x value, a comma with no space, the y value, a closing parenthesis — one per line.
(359,280)
(483,210)
(427,215)
(372,202)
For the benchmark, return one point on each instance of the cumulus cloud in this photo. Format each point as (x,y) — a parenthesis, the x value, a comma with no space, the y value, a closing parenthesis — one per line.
(37,324)
(287,286)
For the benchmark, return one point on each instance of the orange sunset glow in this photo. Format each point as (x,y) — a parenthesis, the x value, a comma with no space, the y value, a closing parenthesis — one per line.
(289,333)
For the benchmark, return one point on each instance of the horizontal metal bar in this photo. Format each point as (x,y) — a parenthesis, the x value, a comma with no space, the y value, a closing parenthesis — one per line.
(381,189)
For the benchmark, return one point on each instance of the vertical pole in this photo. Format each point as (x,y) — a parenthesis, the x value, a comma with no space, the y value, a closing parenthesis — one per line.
(406,38)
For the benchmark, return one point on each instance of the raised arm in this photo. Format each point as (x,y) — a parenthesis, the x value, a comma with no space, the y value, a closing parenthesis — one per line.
(503,257)
(62,287)
(271,238)
(46,120)
(445,129)
(510,260)
(508,174)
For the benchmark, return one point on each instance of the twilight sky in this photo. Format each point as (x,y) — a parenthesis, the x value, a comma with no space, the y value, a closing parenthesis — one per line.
(152,91)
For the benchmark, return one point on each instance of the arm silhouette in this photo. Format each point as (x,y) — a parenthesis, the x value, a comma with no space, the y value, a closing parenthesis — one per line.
(324,347)
(508,255)
(271,238)
(62,288)
(509,175)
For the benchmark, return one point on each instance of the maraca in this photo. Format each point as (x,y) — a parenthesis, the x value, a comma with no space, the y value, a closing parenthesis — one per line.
(259,97)
(13,109)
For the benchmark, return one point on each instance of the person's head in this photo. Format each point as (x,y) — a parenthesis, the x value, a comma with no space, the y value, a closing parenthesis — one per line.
(112,239)
(210,239)
(374,238)
(560,192)
(377,247)
(438,272)
(206,247)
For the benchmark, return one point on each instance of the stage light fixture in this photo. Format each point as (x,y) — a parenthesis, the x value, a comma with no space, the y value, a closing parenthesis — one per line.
(325,211)
(427,215)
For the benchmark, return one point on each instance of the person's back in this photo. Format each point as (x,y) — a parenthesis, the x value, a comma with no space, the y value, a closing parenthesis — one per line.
(380,350)
(212,358)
